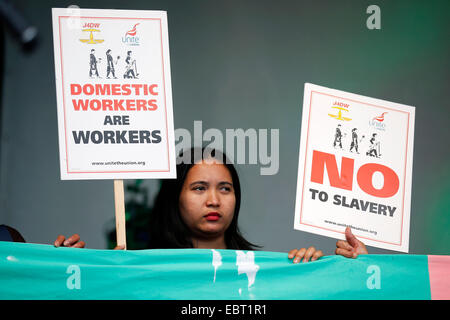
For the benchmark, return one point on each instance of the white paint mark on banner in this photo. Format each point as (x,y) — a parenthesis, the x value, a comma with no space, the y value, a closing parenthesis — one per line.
(246,264)
(217,262)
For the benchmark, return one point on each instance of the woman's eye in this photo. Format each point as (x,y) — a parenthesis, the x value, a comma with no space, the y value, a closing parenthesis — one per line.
(226,189)
(199,188)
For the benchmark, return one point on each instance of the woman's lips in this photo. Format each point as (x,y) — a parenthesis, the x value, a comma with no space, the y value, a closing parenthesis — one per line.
(212,216)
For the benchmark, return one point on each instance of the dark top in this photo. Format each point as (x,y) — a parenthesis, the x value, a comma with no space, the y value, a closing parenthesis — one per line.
(10,234)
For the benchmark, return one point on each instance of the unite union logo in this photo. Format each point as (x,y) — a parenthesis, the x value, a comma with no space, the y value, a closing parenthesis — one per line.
(378,122)
(130,37)
(380,118)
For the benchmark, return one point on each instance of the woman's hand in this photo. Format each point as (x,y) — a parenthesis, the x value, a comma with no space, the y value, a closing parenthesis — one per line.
(121,247)
(306,254)
(73,241)
(352,247)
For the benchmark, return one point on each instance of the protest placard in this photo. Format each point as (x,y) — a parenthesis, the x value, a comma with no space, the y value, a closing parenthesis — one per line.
(355,167)
(114,95)
(114,98)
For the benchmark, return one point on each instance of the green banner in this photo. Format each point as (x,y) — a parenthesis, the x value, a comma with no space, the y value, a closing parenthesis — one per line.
(36,271)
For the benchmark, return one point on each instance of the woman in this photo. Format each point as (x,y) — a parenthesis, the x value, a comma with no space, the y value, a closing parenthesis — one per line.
(200,209)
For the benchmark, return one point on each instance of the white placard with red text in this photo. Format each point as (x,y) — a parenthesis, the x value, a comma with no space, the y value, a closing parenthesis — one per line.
(355,167)
(114,95)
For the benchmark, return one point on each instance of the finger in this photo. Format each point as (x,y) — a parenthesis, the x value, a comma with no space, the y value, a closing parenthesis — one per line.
(79,244)
(345,253)
(59,240)
(351,239)
(343,245)
(317,255)
(121,247)
(299,255)
(292,253)
(309,254)
(72,240)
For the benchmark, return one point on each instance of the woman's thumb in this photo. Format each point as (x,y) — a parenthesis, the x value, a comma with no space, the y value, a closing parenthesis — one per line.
(351,239)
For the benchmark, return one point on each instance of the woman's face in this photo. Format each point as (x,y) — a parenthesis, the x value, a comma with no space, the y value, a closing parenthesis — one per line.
(207,199)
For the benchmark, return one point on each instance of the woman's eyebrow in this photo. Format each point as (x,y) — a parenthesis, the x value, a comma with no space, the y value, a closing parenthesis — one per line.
(207,183)
(199,182)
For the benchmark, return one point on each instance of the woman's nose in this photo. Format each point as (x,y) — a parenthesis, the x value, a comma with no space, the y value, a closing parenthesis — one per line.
(213,198)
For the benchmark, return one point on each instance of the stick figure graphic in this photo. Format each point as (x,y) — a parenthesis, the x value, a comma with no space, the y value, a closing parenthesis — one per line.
(131,69)
(110,64)
(93,64)
(374,148)
(338,137)
(354,143)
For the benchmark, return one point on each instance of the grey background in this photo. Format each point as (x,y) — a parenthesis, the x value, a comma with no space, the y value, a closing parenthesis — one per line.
(241,64)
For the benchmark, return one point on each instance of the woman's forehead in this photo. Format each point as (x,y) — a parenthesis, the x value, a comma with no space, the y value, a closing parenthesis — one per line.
(209,170)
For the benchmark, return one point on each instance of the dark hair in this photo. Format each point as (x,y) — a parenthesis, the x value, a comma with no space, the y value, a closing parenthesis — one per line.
(167,229)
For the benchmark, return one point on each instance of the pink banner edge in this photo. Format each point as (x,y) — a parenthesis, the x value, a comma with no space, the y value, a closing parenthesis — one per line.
(439,273)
